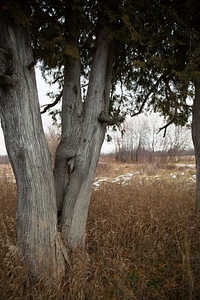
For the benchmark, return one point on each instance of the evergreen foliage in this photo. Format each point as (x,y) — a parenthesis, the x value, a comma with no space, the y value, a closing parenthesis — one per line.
(156,48)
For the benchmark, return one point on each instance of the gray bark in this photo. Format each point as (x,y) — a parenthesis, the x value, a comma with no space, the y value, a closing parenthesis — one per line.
(196,139)
(82,137)
(36,215)
(41,193)
(71,131)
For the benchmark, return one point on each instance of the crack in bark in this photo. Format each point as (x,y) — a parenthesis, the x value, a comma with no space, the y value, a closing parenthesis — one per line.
(70,165)
(61,248)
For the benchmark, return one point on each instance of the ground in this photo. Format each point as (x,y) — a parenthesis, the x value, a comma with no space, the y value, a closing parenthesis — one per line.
(142,237)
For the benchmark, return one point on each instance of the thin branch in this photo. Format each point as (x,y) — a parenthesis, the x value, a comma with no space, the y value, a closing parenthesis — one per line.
(186,105)
(48,106)
(142,105)
(84,85)
(170,122)
(152,90)
(175,111)
(58,78)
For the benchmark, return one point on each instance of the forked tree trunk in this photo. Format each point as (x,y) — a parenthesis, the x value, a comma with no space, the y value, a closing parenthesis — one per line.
(196,140)
(36,215)
(76,158)
(81,141)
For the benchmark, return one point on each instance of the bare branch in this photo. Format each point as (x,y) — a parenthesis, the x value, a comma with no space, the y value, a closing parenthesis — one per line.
(142,105)
(152,90)
(175,111)
(58,78)
(186,105)
(48,106)
(170,122)
(84,85)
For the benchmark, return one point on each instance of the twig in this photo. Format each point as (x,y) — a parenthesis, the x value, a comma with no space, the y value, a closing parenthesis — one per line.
(58,78)
(175,111)
(47,106)
(152,90)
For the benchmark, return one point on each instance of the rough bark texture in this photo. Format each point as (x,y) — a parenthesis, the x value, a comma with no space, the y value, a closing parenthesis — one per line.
(196,139)
(71,131)
(41,193)
(36,214)
(81,141)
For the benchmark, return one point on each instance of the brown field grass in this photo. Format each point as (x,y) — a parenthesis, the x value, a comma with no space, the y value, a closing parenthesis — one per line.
(143,240)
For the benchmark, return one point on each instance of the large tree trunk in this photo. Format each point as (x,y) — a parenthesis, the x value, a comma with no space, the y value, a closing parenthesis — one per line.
(36,215)
(81,141)
(196,139)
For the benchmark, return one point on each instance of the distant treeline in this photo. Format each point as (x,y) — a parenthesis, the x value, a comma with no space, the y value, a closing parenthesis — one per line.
(136,155)
(140,154)
(4,159)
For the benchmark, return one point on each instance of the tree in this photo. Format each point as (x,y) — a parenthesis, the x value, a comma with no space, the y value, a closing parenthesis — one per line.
(166,75)
(88,47)
(140,139)
(133,140)
(188,31)
(54,203)
(179,141)
(27,149)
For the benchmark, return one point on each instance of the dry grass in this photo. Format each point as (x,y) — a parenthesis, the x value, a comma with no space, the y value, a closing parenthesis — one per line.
(143,242)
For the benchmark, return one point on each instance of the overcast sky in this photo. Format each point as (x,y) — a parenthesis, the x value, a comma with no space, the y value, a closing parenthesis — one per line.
(43,88)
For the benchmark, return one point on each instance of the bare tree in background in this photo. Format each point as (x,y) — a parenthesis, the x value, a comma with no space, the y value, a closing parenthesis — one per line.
(141,140)
(133,140)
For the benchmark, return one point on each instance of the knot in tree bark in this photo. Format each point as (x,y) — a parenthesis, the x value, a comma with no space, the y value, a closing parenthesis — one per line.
(8,75)
(105,118)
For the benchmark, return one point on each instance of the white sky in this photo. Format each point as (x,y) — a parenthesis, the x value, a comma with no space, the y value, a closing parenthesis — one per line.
(43,88)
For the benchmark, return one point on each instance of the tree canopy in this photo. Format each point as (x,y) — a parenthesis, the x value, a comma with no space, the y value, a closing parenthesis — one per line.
(155,45)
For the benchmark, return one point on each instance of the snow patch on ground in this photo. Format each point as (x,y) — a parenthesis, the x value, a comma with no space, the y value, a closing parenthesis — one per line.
(125,178)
